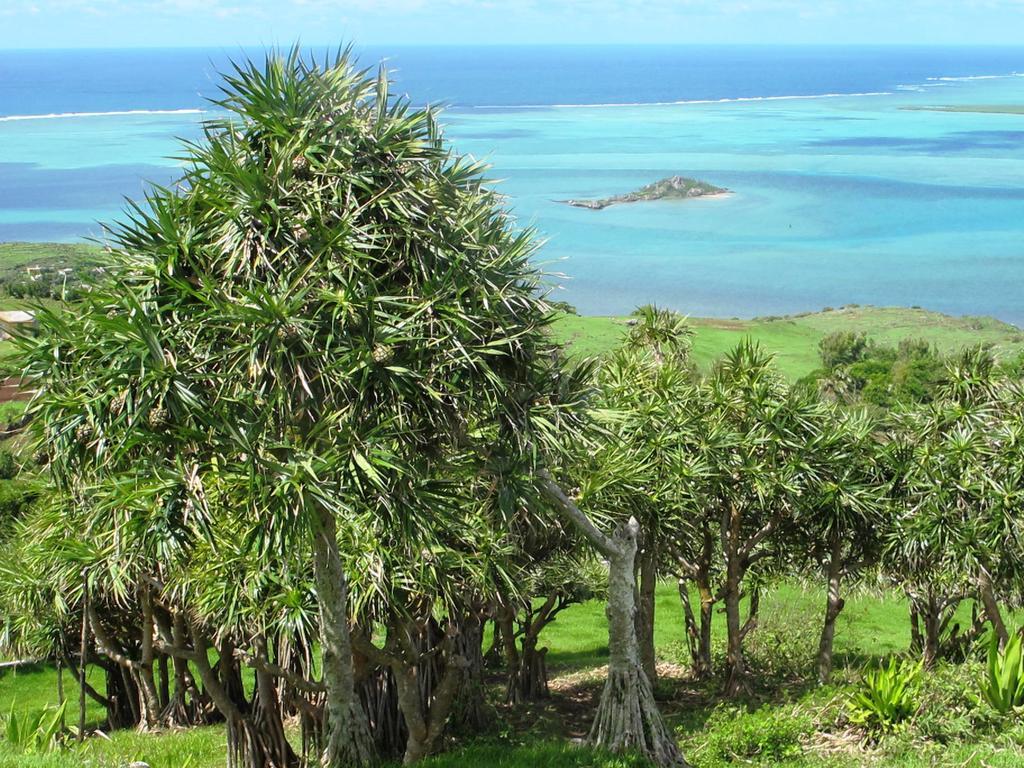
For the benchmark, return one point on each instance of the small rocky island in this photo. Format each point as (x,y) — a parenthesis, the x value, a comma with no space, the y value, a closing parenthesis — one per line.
(672,188)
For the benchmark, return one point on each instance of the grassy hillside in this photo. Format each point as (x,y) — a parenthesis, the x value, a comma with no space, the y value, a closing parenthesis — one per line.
(794,339)
(871,627)
(14,255)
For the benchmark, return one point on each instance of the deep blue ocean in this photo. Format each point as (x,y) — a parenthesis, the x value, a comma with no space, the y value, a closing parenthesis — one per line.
(848,185)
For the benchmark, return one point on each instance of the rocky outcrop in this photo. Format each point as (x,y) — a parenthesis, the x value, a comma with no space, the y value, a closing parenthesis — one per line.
(672,188)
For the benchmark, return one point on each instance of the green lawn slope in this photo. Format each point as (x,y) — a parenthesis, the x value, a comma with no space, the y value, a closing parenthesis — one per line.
(794,339)
(21,255)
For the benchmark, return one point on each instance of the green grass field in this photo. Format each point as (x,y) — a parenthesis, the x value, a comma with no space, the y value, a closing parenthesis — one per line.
(794,339)
(13,255)
(872,627)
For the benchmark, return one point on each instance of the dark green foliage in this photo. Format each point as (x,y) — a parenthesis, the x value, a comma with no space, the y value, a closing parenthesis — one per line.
(842,348)
(782,648)
(767,735)
(951,709)
(16,498)
(8,464)
(856,369)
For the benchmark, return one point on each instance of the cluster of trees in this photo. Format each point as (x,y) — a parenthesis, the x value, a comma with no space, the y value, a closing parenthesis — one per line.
(857,369)
(49,279)
(311,454)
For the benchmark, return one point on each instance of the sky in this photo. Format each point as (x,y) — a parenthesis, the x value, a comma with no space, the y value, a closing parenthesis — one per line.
(147,23)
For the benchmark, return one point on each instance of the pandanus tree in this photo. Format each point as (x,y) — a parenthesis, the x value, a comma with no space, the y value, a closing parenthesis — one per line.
(957,530)
(608,487)
(755,468)
(552,569)
(334,303)
(644,385)
(843,517)
(627,718)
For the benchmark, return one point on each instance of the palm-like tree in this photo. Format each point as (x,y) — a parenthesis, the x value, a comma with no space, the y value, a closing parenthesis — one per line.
(842,518)
(325,316)
(956,533)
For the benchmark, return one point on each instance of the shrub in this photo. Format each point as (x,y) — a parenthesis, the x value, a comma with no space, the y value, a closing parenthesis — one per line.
(8,465)
(1003,683)
(768,735)
(783,645)
(16,498)
(887,697)
(842,348)
(950,710)
(37,731)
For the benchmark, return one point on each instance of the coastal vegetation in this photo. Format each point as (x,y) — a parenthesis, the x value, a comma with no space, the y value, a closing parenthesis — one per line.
(794,340)
(315,474)
(672,188)
(47,270)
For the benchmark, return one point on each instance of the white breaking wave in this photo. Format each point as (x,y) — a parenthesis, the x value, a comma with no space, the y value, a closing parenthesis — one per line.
(121,113)
(968,78)
(681,103)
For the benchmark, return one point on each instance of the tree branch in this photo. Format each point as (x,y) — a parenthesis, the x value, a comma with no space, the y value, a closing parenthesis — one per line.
(263,665)
(602,543)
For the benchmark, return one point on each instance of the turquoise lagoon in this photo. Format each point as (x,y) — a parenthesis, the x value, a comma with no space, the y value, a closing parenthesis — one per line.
(836,199)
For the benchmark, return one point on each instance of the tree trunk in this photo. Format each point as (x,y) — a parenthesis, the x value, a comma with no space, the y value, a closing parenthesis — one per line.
(254,735)
(992,612)
(926,628)
(471,712)
(648,558)
(834,604)
(83,659)
(627,716)
(122,697)
(143,671)
(527,669)
(736,678)
(931,639)
(916,641)
(267,717)
(426,716)
(347,738)
(379,695)
(736,681)
(163,683)
(504,626)
(698,632)
(179,711)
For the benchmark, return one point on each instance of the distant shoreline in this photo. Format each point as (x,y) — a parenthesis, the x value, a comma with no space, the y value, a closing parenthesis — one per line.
(987,109)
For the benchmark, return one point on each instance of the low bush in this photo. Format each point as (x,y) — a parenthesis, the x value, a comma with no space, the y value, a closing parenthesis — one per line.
(765,735)
(887,697)
(37,731)
(783,645)
(1003,684)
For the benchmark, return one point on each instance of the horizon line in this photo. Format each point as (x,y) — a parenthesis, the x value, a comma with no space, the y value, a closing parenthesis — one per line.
(518,44)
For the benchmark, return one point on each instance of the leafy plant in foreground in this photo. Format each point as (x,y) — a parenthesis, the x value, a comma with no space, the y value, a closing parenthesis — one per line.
(37,731)
(887,697)
(1003,684)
